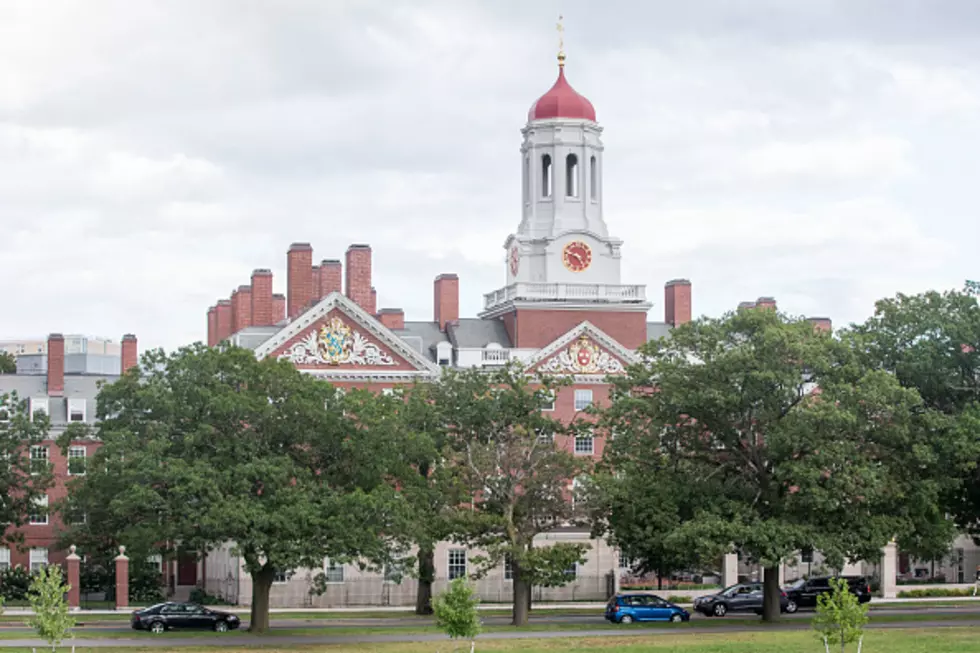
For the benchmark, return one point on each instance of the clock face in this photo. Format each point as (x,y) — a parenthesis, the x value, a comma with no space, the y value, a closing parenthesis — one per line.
(577,256)
(515,260)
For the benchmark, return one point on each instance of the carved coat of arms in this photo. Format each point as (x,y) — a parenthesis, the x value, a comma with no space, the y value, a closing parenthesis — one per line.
(583,357)
(335,343)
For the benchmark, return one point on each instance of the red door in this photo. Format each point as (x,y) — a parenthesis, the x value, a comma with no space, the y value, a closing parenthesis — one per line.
(187,571)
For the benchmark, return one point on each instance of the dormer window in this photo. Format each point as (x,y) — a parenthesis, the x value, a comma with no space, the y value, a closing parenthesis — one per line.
(444,354)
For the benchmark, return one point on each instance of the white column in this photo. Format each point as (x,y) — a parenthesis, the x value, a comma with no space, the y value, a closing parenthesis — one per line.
(889,570)
(782,574)
(729,569)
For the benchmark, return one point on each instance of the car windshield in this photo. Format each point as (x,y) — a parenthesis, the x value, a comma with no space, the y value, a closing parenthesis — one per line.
(731,589)
(795,585)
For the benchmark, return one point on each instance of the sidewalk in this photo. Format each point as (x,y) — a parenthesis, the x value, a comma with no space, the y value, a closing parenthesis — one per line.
(18,612)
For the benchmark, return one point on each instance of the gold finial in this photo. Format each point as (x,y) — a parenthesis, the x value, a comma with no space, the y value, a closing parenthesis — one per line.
(561,41)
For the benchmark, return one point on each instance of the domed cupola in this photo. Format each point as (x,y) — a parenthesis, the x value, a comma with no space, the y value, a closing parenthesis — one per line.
(562,101)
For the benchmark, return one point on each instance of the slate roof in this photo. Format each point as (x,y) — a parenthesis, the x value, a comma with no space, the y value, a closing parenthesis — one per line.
(76,387)
(657,330)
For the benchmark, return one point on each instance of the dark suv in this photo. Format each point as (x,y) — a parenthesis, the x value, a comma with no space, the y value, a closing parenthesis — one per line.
(804,593)
(744,597)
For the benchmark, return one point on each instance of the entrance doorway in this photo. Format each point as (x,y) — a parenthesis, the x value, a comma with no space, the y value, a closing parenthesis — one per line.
(186,570)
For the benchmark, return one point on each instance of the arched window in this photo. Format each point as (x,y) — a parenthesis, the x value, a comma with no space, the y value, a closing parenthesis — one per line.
(571,175)
(546,175)
(593,179)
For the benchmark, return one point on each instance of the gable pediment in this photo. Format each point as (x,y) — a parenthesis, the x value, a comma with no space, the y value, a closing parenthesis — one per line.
(336,337)
(583,351)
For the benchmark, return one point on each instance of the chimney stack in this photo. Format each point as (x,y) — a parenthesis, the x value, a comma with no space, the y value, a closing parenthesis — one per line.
(677,302)
(56,365)
(262,297)
(130,353)
(278,308)
(373,306)
(446,303)
(315,297)
(331,277)
(223,321)
(212,325)
(821,323)
(241,308)
(393,318)
(359,276)
(299,278)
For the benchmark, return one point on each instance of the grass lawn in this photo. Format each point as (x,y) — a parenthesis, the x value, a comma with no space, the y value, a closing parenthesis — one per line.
(948,640)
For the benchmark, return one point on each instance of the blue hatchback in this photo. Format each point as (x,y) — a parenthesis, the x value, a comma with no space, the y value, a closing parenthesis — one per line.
(627,608)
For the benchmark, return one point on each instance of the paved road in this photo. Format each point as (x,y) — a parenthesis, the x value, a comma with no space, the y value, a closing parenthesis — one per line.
(273,640)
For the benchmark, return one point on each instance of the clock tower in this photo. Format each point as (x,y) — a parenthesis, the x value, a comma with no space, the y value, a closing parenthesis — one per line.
(562,257)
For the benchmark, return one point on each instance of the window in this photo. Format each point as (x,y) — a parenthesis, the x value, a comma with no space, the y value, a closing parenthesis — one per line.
(157,561)
(545,434)
(571,176)
(572,571)
(76,516)
(550,406)
(4,558)
(508,568)
(280,577)
(39,558)
(584,445)
(7,409)
(39,459)
(394,573)
(387,392)
(546,174)
(593,179)
(583,399)
(40,515)
(76,461)
(76,410)
(39,404)
(334,571)
(457,563)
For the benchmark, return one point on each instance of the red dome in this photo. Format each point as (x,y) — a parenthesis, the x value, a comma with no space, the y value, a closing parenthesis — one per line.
(562,101)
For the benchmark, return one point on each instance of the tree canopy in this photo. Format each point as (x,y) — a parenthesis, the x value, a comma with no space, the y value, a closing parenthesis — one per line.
(23,480)
(8,364)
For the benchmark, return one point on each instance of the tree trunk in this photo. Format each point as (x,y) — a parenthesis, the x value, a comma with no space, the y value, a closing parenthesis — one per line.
(522,598)
(427,573)
(530,597)
(261,586)
(771,594)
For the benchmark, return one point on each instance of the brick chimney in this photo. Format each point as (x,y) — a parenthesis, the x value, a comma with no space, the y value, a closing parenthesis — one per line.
(373,306)
(766,302)
(223,321)
(746,305)
(56,365)
(241,308)
(130,352)
(331,277)
(299,278)
(393,318)
(358,279)
(446,302)
(677,302)
(821,323)
(278,308)
(262,297)
(315,297)
(212,325)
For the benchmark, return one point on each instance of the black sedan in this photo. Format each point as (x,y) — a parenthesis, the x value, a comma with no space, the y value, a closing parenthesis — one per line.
(183,616)
(744,597)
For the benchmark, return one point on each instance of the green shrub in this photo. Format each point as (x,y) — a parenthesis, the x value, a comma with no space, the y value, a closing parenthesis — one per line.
(200,596)
(679,599)
(14,583)
(934,592)
(840,618)
(455,611)
(51,619)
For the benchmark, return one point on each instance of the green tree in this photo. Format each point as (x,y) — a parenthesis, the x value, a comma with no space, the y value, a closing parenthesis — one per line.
(207,446)
(51,619)
(517,479)
(23,481)
(840,617)
(456,612)
(8,364)
(779,467)
(931,343)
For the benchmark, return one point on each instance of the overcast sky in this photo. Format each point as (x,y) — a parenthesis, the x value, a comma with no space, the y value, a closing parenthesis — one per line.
(153,153)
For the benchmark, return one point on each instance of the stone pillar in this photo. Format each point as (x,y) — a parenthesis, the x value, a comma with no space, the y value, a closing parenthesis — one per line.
(729,570)
(74,584)
(889,571)
(122,580)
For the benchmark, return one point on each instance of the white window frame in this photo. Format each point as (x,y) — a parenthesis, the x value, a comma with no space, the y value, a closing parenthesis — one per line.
(508,568)
(156,560)
(388,392)
(331,567)
(581,403)
(572,572)
(280,577)
(452,565)
(4,558)
(76,405)
(7,410)
(38,559)
(35,453)
(73,454)
(39,404)
(582,450)
(551,408)
(35,519)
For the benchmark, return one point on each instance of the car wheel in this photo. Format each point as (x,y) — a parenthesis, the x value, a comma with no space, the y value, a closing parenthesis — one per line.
(676,618)
(626,619)
(157,627)
(791,607)
(720,610)
(221,626)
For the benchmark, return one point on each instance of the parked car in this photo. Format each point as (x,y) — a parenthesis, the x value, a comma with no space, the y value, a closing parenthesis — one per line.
(743,597)
(627,608)
(183,616)
(804,593)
